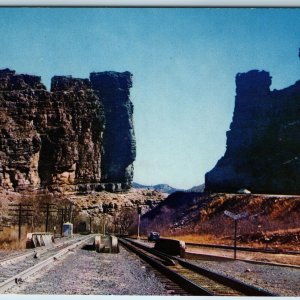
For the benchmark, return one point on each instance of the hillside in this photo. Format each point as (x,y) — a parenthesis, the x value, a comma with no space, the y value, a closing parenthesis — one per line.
(197,188)
(163,188)
(273,217)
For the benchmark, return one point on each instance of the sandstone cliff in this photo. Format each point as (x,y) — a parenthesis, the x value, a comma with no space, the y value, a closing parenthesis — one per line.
(118,138)
(263,143)
(79,136)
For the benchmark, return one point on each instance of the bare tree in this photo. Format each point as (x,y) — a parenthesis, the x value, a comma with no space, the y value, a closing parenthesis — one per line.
(126,219)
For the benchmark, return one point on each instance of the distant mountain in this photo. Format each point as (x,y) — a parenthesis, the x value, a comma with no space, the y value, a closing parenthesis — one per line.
(163,188)
(197,188)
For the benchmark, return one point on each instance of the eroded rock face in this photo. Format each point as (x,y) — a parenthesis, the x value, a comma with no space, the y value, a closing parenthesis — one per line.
(118,138)
(263,143)
(55,139)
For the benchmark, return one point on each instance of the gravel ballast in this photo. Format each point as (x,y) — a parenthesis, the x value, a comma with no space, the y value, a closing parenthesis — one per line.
(88,272)
(91,273)
(283,281)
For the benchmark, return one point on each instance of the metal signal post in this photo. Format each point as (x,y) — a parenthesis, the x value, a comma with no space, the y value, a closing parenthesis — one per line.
(235,218)
(235,229)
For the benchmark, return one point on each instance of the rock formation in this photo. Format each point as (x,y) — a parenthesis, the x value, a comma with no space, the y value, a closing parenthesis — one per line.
(73,137)
(263,143)
(118,138)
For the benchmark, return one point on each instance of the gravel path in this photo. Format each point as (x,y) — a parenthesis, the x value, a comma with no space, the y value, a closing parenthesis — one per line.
(283,281)
(88,272)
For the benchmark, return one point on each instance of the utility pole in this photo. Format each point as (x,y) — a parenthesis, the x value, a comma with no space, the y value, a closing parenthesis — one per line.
(62,211)
(139,210)
(47,209)
(90,224)
(70,212)
(105,210)
(20,223)
(47,217)
(19,213)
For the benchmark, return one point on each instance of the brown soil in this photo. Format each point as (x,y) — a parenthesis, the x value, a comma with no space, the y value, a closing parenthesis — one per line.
(271,219)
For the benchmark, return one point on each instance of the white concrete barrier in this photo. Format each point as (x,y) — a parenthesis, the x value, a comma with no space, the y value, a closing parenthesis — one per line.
(39,239)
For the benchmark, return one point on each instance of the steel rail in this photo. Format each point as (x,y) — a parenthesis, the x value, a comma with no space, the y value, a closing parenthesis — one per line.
(245,288)
(29,252)
(168,261)
(230,282)
(248,249)
(185,283)
(8,283)
(16,257)
(240,248)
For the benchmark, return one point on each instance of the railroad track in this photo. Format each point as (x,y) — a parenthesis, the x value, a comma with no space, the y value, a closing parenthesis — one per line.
(239,248)
(13,258)
(13,271)
(192,278)
(247,249)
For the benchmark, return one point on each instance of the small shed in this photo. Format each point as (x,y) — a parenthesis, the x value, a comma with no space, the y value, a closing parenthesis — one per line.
(68,229)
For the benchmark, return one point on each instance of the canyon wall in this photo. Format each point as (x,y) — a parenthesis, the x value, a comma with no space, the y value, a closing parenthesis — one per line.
(118,137)
(78,137)
(263,143)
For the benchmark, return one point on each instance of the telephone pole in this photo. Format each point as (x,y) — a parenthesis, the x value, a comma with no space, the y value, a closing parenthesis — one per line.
(47,209)
(18,212)
(139,210)
(61,211)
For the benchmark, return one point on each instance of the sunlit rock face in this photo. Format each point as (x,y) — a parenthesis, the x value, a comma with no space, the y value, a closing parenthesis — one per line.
(263,143)
(60,139)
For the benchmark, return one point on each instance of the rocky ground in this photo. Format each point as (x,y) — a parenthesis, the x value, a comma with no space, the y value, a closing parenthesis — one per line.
(131,198)
(280,280)
(283,281)
(279,258)
(90,273)
(270,219)
(86,201)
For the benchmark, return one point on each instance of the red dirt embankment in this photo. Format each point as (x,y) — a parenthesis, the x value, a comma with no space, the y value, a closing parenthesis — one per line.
(271,219)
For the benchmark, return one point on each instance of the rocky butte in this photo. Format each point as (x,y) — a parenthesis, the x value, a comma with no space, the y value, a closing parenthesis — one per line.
(77,137)
(263,143)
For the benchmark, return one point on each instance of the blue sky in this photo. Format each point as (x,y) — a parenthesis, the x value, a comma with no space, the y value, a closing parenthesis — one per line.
(184,63)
